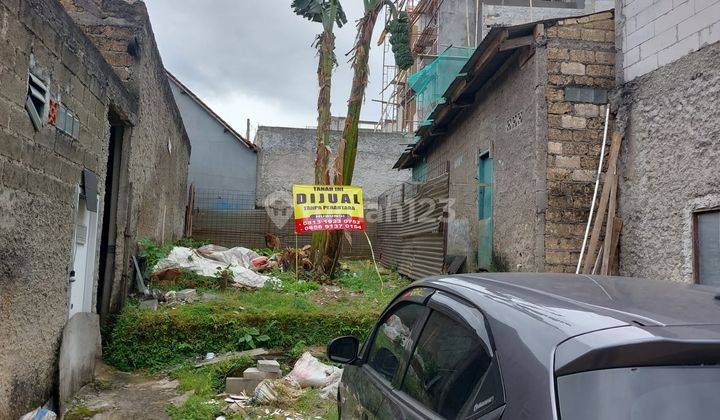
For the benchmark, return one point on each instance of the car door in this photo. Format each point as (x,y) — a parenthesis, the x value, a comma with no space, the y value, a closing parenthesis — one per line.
(384,356)
(452,371)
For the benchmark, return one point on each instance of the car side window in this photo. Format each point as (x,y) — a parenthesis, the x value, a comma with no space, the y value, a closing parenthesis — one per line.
(447,364)
(392,338)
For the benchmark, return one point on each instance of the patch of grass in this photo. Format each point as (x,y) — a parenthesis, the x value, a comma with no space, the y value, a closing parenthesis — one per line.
(210,379)
(297,312)
(81,412)
(197,407)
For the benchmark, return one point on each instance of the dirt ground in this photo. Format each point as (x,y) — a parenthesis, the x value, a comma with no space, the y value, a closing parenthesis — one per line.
(118,395)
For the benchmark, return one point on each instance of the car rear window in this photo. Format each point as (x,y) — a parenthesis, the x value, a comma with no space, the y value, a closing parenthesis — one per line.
(641,393)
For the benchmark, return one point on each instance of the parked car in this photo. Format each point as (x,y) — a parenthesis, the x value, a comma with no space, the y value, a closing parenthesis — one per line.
(537,346)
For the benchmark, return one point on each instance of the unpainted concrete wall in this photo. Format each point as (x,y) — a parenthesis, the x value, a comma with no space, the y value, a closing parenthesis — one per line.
(670,163)
(219,160)
(287,157)
(155,188)
(516,12)
(518,153)
(653,33)
(40,173)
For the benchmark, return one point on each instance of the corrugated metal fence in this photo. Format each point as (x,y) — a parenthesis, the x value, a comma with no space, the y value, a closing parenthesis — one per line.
(412,227)
(232,224)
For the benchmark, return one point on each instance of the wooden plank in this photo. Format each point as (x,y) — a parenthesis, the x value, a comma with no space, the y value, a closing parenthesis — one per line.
(596,266)
(518,42)
(614,258)
(602,206)
(609,228)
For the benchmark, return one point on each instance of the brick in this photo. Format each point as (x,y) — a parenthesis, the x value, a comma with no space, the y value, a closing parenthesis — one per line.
(569,33)
(632,56)
(559,80)
(605,25)
(11,146)
(600,70)
(559,135)
(588,162)
(572,68)
(643,66)
(558,53)
(595,123)
(679,13)
(710,35)
(255,373)
(680,49)
(700,20)
(554,121)
(583,81)
(564,230)
(638,37)
(558,174)
(14,176)
(583,175)
(13,88)
(268,365)
(586,110)
(69,148)
(566,215)
(555,148)
(602,57)
(575,148)
(560,108)
(587,135)
(562,244)
(555,95)
(582,56)
(570,162)
(570,122)
(595,35)
(658,42)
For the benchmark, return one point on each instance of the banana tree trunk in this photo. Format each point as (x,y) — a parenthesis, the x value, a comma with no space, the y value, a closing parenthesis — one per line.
(347,150)
(326,48)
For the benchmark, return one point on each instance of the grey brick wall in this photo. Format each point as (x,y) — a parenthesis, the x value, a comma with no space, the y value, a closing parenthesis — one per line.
(654,33)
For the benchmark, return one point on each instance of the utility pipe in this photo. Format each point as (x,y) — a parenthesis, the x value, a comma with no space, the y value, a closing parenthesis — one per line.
(597,185)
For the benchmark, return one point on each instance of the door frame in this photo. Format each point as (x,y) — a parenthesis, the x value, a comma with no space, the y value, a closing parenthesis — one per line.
(485,224)
(90,258)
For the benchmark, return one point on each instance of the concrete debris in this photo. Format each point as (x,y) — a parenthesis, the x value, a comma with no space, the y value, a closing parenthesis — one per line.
(270,366)
(187,295)
(265,393)
(254,353)
(241,385)
(255,373)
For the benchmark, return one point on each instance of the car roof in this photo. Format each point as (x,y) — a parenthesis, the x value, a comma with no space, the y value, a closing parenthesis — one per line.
(532,315)
(618,299)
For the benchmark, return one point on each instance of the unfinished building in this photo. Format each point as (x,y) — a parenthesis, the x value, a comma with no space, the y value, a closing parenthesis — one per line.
(85,175)
(444,33)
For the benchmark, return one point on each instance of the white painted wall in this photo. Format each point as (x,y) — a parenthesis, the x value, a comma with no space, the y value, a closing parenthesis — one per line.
(658,32)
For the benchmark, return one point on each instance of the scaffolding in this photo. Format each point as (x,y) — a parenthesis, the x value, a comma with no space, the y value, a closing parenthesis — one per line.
(397,98)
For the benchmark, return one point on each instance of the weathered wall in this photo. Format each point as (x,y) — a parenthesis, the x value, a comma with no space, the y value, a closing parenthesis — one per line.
(670,163)
(581,56)
(518,156)
(40,172)
(287,157)
(456,24)
(516,12)
(219,161)
(156,186)
(655,33)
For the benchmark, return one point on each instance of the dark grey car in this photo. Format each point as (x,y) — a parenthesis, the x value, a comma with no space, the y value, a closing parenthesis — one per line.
(537,346)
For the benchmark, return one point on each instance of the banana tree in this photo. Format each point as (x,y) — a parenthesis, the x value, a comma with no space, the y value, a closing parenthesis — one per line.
(329,13)
(347,150)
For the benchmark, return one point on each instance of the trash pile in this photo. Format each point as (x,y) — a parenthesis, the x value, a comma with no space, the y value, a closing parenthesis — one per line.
(211,261)
(263,385)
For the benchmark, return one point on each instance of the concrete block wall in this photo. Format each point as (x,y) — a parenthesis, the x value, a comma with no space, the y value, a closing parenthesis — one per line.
(653,33)
(581,72)
(39,175)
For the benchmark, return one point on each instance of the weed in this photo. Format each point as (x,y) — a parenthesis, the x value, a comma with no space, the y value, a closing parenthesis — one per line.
(81,412)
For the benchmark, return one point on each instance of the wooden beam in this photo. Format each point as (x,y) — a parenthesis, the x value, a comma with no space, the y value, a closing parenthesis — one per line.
(609,227)
(489,52)
(539,30)
(602,206)
(615,247)
(518,42)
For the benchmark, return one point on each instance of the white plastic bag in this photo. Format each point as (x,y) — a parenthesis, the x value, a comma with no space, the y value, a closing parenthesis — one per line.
(40,414)
(310,372)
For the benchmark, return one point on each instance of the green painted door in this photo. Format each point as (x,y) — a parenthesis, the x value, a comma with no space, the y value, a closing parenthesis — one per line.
(485,223)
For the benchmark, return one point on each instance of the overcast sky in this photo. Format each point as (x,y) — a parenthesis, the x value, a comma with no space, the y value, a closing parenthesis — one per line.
(254,59)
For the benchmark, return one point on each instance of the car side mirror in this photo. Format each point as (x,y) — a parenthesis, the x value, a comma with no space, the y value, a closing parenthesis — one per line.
(343,349)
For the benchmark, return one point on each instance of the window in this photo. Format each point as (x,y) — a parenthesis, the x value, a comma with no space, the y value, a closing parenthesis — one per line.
(392,338)
(37,99)
(707,247)
(446,365)
(641,393)
(67,121)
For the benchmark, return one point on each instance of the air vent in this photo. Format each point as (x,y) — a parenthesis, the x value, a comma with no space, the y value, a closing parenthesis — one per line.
(37,100)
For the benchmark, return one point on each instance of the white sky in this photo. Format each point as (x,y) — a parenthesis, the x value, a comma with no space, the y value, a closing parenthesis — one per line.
(254,59)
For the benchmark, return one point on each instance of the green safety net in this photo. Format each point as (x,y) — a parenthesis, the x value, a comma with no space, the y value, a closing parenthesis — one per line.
(431,82)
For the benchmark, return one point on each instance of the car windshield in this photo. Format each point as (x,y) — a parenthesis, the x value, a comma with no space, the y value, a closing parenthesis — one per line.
(642,393)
